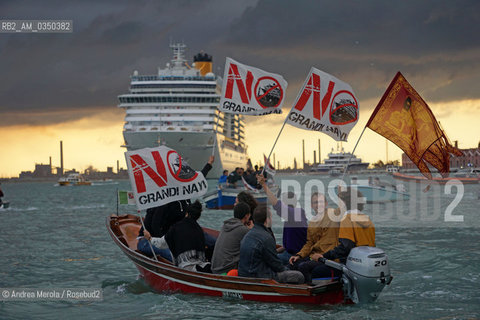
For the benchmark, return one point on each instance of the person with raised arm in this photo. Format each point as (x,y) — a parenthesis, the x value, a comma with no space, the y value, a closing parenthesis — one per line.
(295,225)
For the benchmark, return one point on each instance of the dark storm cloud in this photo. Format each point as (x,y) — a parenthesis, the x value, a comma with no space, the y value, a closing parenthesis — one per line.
(434,43)
(91,67)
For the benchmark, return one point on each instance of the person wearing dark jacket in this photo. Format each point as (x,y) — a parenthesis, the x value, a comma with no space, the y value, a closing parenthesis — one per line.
(234,178)
(227,248)
(158,221)
(187,241)
(258,257)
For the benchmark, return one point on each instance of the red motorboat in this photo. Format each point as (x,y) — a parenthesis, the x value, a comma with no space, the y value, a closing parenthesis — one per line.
(163,276)
(422,179)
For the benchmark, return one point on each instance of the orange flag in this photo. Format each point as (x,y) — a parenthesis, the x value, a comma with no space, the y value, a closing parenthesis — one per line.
(404,118)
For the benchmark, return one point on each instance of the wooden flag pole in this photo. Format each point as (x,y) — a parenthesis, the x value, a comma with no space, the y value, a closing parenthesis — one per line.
(215,133)
(353,152)
(143,225)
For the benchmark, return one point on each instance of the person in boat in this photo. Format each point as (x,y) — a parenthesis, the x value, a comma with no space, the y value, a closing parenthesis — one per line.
(356,229)
(158,221)
(322,232)
(223,178)
(186,241)
(258,257)
(251,178)
(247,197)
(295,225)
(227,247)
(234,177)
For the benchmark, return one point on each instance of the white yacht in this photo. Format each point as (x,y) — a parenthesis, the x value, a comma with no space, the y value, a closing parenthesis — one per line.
(177,107)
(337,161)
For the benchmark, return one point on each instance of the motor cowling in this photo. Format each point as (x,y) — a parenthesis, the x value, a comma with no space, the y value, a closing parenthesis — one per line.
(366,273)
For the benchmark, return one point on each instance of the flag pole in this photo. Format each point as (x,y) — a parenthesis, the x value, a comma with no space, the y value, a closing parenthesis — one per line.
(353,152)
(273,147)
(215,133)
(143,225)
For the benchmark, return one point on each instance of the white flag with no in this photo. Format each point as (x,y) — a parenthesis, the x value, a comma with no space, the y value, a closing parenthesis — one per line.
(325,104)
(159,176)
(251,91)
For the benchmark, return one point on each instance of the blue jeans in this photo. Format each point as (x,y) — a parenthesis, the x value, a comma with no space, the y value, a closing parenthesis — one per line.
(144,247)
(284,257)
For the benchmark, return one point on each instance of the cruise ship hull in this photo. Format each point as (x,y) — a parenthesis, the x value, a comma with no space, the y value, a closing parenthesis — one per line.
(194,147)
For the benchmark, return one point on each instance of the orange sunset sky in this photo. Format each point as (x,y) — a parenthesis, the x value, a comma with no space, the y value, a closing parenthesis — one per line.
(96,140)
(64,86)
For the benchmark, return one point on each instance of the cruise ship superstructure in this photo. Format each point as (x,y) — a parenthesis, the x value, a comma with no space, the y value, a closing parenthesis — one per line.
(177,107)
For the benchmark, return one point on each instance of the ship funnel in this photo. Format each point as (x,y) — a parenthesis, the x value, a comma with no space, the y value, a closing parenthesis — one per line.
(203,63)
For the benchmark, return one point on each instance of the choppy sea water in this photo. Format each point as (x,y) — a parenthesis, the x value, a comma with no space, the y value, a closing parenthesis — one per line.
(55,237)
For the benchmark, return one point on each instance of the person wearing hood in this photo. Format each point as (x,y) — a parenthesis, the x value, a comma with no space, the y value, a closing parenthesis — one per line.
(186,241)
(356,229)
(227,248)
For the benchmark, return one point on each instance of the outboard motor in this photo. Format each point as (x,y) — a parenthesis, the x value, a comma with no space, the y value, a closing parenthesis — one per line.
(365,274)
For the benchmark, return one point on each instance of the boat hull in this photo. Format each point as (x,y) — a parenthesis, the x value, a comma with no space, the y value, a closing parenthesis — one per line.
(374,194)
(164,277)
(225,198)
(422,179)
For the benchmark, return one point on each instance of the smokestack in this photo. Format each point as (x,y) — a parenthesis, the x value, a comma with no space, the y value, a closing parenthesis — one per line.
(303,150)
(456,143)
(118,166)
(314,156)
(61,158)
(319,152)
(274,158)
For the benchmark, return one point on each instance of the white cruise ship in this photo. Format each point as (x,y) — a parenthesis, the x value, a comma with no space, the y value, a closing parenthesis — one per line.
(177,107)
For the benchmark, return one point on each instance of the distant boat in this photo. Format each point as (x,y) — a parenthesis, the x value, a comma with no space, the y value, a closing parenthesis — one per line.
(422,179)
(339,160)
(469,172)
(225,198)
(74,179)
(377,194)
